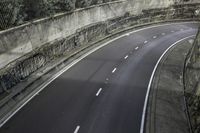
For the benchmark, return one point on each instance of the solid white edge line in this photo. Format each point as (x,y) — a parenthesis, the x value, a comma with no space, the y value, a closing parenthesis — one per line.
(99,91)
(77,129)
(150,82)
(114,70)
(79,59)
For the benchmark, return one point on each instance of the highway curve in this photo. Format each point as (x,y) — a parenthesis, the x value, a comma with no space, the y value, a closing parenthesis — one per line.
(105,91)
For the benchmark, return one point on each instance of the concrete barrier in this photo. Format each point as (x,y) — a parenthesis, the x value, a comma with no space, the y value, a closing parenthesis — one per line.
(23,39)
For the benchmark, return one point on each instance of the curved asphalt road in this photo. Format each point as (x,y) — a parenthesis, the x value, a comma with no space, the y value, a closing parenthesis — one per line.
(104,92)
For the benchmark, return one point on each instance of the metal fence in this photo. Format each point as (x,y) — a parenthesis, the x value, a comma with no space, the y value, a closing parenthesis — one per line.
(8,13)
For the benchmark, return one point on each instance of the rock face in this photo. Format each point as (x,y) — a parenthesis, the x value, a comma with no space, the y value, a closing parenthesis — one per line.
(192,84)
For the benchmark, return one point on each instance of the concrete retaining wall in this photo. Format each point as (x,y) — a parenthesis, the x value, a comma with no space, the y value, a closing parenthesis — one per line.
(18,41)
(21,40)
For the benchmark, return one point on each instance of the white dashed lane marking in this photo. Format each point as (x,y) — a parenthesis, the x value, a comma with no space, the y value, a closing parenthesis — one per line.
(77,129)
(154,37)
(145,42)
(114,70)
(99,91)
(126,57)
(136,48)
(163,34)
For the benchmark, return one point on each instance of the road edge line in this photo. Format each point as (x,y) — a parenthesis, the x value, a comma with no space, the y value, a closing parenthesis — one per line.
(142,126)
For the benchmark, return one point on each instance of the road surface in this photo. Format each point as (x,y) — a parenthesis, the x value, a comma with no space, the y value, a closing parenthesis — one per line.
(104,92)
